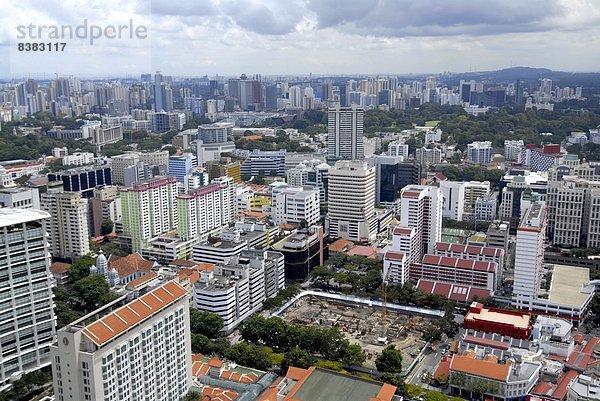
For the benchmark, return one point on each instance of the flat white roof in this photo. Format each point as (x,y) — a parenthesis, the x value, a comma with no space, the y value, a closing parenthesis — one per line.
(10,216)
(567,283)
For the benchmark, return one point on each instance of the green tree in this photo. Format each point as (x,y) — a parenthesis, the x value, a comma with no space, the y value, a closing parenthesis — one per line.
(432,334)
(81,268)
(434,396)
(297,357)
(201,344)
(106,226)
(192,396)
(395,380)
(251,355)
(390,360)
(207,323)
(64,314)
(354,355)
(413,390)
(92,291)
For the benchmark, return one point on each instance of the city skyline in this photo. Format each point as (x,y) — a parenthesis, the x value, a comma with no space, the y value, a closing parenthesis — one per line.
(372,37)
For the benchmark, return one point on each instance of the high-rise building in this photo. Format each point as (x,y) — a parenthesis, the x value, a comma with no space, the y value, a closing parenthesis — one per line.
(83,179)
(180,166)
(28,323)
(453,193)
(480,152)
(529,256)
(398,149)
(512,149)
(140,351)
(314,173)
(345,132)
(351,213)
(68,227)
(220,132)
(295,205)
(20,198)
(238,289)
(206,209)
(421,209)
(392,175)
(428,155)
(149,209)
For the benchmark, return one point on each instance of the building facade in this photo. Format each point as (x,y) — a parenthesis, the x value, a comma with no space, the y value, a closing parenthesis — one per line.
(26,307)
(345,132)
(140,351)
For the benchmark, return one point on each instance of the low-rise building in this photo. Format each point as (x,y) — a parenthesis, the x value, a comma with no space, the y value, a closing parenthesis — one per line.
(503,322)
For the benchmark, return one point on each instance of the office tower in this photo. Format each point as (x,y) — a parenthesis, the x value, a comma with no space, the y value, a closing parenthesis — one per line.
(465,89)
(218,168)
(68,227)
(343,95)
(351,188)
(119,163)
(105,205)
(180,166)
(392,175)
(529,256)
(295,205)
(149,210)
(204,210)
(272,93)
(295,96)
(345,132)
(546,86)
(480,152)
(453,193)
(220,132)
(140,351)
(83,179)
(264,162)
(28,323)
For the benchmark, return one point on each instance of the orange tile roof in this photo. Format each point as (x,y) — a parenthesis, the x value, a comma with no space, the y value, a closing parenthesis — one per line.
(112,325)
(340,245)
(205,267)
(247,378)
(219,394)
(482,368)
(199,368)
(183,263)
(297,374)
(215,362)
(257,215)
(126,265)
(59,267)
(362,250)
(270,394)
(142,280)
(443,368)
(252,137)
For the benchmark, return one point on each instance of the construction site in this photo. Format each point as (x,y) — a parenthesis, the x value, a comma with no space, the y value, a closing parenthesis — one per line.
(372,328)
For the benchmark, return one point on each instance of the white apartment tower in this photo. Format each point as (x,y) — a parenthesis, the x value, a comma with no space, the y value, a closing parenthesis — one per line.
(26,307)
(68,229)
(295,205)
(421,209)
(345,132)
(206,209)
(351,212)
(140,351)
(149,210)
(529,255)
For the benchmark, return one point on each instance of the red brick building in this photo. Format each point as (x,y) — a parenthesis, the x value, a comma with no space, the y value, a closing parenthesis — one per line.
(499,321)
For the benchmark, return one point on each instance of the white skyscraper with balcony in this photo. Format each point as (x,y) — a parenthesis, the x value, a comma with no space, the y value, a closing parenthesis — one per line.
(351,212)
(529,255)
(345,132)
(140,351)
(26,308)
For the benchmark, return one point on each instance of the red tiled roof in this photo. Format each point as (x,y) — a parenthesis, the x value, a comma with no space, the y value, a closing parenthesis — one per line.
(488,343)
(126,265)
(215,362)
(466,264)
(59,267)
(403,230)
(142,280)
(362,250)
(563,383)
(392,255)
(183,263)
(112,325)
(469,249)
(482,368)
(340,245)
(454,292)
(443,369)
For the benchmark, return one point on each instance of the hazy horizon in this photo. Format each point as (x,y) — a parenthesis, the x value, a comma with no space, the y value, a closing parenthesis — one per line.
(364,37)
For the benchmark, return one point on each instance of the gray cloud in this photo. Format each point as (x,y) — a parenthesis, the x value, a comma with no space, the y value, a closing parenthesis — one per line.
(399,18)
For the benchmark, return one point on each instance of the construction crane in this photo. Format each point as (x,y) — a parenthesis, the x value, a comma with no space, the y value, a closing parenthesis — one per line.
(384,283)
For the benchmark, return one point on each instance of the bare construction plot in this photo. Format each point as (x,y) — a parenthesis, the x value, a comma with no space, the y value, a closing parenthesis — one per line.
(362,325)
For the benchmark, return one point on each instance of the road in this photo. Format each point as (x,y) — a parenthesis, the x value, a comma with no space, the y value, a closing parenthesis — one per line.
(428,364)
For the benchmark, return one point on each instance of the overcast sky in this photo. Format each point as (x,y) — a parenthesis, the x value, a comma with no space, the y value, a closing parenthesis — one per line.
(230,37)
